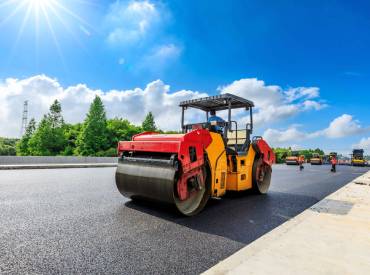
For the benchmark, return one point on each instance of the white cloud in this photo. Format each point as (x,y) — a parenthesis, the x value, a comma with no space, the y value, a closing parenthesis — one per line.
(277,137)
(131,21)
(165,52)
(313,105)
(363,144)
(272,102)
(133,104)
(160,58)
(341,126)
(301,92)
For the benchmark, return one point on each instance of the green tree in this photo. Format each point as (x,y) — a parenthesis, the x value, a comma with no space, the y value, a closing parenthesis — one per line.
(149,123)
(93,138)
(71,133)
(120,129)
(319,151)
(281,154)
(8,146)
(49,139)
(22,145)
(40,142)
(55,115)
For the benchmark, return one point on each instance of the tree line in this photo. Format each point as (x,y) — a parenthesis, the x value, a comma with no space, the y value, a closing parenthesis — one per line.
(95,136)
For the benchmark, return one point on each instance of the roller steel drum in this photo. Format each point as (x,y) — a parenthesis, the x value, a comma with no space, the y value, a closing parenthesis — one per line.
(155,180)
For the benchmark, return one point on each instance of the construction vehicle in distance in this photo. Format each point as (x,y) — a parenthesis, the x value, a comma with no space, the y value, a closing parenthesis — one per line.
(316,159)
(357,157)
(187,169)
(293,159)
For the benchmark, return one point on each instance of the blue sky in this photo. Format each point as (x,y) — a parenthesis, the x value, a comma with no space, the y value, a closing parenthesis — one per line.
(196,47)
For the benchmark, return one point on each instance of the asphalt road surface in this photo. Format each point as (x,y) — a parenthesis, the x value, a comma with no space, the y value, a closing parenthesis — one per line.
(75,221)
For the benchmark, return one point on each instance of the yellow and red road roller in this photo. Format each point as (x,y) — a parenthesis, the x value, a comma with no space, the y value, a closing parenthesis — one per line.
(206,160)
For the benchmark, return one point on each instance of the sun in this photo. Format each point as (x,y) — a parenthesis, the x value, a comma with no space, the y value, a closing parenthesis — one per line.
(43,10)
(45,16)
(27,7)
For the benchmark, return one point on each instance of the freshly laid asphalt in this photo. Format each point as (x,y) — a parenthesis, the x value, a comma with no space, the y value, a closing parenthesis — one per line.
(75,221)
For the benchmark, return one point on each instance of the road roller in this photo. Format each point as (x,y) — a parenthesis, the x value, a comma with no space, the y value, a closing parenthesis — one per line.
(316,159)
(205,161)
(293,159)
(357,157)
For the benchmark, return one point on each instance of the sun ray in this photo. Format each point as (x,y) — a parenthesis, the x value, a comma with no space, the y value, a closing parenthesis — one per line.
(21,29)
(37,36)
(24,21)
(55,40)
(7,3)
(71,13)
(14,12)
(69,30)
(90,3)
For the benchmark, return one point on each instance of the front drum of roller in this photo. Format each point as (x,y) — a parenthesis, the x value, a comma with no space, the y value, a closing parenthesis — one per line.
(146,181)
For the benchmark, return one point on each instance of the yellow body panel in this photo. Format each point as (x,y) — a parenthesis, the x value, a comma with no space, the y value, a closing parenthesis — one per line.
(242,178)
(218,164)
(358,161)
(224,175)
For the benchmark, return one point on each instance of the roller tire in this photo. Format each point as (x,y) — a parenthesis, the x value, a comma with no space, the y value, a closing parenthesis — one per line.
(185,207)
(261,187)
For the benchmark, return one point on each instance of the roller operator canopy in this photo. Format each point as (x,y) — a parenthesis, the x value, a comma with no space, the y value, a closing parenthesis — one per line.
(218,102)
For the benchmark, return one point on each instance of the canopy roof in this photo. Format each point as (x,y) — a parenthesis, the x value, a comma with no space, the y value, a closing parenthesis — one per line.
(218,102)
